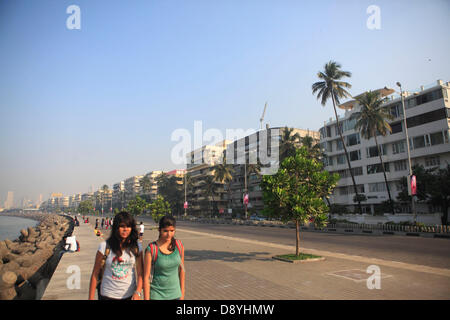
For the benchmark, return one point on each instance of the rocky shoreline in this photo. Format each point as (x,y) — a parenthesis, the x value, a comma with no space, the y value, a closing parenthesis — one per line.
(27,263)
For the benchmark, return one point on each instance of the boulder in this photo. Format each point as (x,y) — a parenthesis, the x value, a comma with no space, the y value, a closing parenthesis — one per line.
(31,232)
(12,266)
(7,290)
(24,233)
(9,243)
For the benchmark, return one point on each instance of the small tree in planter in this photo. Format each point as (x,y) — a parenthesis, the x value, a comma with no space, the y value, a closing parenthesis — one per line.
(297,191)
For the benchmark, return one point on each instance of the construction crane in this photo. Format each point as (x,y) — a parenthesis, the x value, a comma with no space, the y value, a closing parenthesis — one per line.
(262,117)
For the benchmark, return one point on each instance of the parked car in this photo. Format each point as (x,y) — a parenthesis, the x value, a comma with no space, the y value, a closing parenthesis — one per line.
(257,218)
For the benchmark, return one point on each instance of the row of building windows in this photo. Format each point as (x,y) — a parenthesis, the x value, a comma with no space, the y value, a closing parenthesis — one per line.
(396,110)
(400,165)
(430,139)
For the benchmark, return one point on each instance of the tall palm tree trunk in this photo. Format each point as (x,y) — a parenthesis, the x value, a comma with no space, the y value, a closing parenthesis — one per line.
(346,153)
(384,172)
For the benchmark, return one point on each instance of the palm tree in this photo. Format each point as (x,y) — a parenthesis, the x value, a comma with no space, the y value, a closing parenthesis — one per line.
(312,147)
(289,142)
(210,189)
(223,173)
(332,87)
(371,120)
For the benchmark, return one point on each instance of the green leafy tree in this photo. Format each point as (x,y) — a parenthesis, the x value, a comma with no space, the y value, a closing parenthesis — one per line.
(296,192)
(137,206)
(85,207)
(371,120)
(159,208)
(332,87)
(433,187)
(171,189)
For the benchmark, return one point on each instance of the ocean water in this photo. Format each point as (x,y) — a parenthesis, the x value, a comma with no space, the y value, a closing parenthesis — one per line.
(10,226)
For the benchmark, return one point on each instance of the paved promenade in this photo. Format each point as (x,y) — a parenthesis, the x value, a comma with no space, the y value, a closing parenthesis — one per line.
(65,277)
(223,268)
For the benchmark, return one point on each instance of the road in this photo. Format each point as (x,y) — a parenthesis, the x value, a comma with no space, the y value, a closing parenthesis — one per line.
(431,252)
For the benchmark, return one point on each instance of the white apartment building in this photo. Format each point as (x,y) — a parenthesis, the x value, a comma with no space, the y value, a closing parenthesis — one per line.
(246,151)
(118,196)
(153,191)
(132,188)
(428,123)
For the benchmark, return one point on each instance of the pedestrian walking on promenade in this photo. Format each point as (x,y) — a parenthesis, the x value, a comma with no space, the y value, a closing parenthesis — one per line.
(121,276)
(164,260)
(103,222)
(96,224)
(141,231)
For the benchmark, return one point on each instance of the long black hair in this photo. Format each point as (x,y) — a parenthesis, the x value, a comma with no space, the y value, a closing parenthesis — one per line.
(114,240)
(168,221)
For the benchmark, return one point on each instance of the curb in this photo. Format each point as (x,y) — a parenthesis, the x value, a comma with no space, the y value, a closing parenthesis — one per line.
(298,261)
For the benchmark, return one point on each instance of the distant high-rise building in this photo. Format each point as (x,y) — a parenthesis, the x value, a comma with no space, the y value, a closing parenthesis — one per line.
(9,203)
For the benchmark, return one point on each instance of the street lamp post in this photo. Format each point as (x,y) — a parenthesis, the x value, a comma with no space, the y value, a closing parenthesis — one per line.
(413,206)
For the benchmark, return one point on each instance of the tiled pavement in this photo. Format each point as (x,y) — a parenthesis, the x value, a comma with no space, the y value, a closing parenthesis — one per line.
(227,268)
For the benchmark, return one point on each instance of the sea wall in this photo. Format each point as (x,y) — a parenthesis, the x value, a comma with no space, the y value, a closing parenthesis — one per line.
(27,263)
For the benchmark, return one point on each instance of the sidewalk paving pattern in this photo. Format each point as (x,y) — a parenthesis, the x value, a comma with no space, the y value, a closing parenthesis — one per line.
(228,268)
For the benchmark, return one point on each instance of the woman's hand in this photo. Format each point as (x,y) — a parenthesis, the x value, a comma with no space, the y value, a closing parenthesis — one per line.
(136,296)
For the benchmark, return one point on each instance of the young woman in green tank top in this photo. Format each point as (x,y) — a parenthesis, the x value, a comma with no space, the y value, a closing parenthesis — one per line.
(168,274)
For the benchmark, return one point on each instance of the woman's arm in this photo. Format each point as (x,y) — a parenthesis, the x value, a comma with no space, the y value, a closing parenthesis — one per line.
(140,269)
(94,275)
(182,273)
(147,272)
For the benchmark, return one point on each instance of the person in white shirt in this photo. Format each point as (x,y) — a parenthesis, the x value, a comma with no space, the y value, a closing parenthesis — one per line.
(122,275)
(141,231)
(71,244)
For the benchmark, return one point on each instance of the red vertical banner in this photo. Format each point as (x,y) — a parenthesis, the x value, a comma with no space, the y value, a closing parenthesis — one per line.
(246,199)
(413,185)
(185,205)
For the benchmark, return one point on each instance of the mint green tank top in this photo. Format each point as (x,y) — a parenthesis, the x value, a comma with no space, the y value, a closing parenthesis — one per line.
(166,282)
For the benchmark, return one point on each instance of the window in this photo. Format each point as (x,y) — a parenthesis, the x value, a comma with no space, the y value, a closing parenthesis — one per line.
(396,110)
(398,147)
(353,139)
(339,145)
(341,159)
(419,142)
(423,98)
(376,168)
(328,132)
(432,161)
(343,191)
(400,165)
(329,147)
(373,151)
(355,155)
(377,187)
(436,138)
(426,118)
(349,124)
(358,171)
(396,127)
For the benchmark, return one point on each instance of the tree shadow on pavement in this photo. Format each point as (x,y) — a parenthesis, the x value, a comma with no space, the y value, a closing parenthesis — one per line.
(205,255)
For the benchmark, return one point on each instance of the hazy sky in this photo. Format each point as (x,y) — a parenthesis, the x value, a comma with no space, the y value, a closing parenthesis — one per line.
(97,105)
